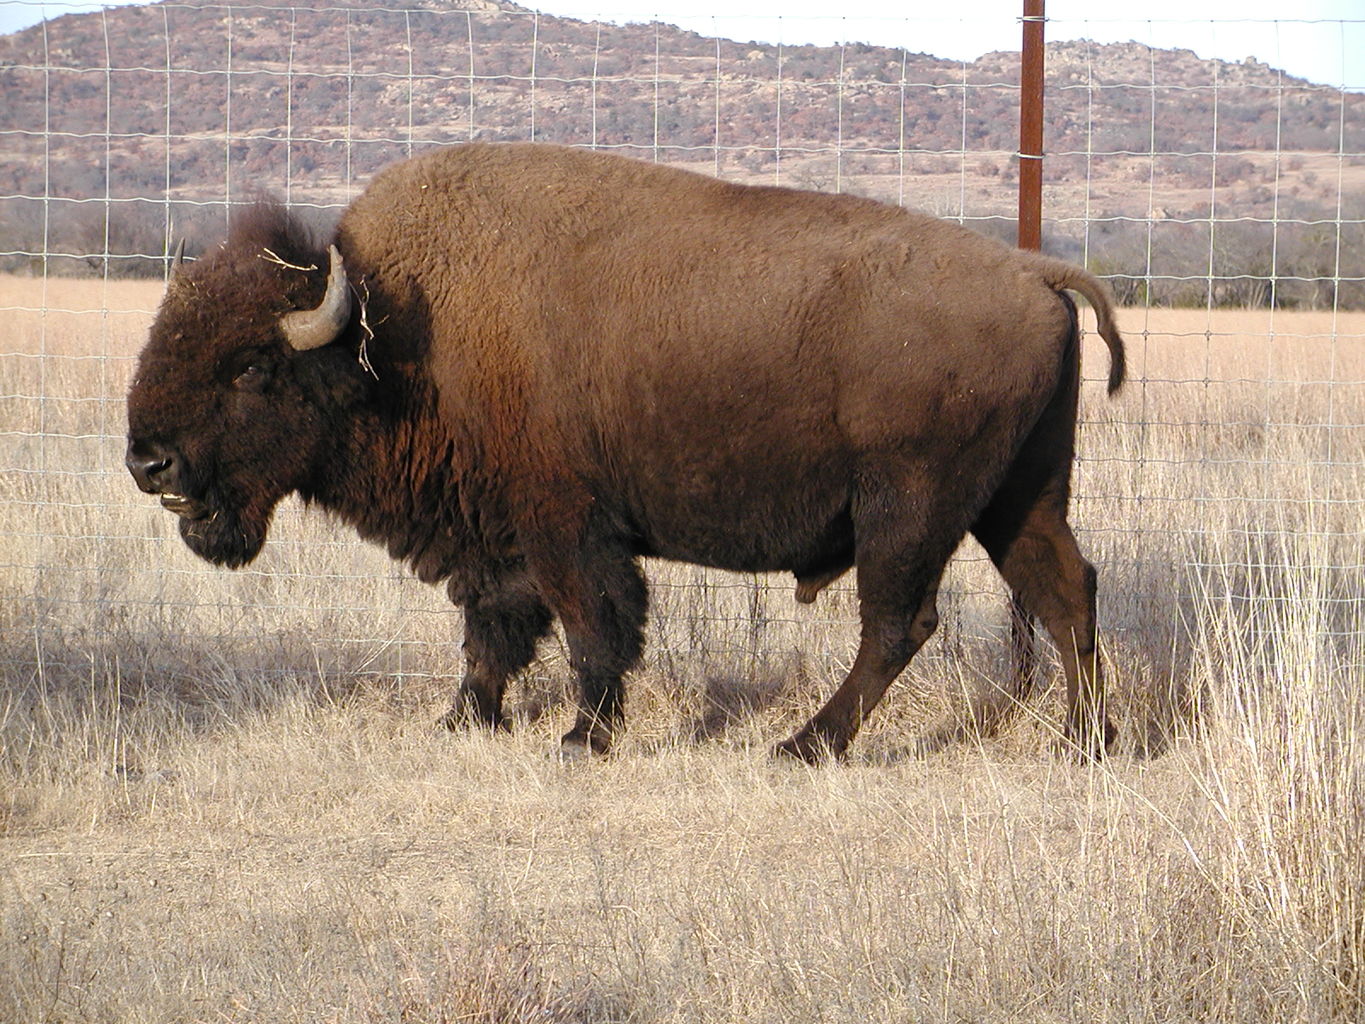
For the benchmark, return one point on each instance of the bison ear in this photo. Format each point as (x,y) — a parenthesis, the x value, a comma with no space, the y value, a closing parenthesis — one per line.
(307,329)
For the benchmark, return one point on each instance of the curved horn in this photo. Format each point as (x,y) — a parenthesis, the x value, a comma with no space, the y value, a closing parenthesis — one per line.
(177,267)
(307,329)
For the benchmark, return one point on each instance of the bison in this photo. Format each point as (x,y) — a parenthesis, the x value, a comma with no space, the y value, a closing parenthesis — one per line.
(524,367)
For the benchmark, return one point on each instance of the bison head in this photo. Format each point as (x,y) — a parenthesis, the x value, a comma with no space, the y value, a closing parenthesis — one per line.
(239,389)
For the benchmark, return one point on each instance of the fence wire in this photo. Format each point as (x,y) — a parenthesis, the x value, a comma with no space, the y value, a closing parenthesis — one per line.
(1225,203)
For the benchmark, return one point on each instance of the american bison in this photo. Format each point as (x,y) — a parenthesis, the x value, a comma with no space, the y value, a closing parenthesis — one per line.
(523,367)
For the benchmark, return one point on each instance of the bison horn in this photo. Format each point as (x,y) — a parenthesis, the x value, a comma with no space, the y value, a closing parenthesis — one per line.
(307,329)
(177,266)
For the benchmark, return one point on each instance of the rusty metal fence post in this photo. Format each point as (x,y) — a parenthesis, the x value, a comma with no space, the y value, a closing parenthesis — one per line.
(1031,127)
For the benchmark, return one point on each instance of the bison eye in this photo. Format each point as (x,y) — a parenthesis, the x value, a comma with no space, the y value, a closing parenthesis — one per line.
(252,378)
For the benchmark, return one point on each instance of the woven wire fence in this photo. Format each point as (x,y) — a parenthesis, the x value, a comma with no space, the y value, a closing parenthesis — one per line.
(1223,201)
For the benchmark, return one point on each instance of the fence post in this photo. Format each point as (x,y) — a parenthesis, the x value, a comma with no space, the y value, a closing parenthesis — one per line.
(1031,128)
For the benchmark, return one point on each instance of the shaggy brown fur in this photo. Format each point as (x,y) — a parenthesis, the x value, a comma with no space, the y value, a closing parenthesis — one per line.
(580,359)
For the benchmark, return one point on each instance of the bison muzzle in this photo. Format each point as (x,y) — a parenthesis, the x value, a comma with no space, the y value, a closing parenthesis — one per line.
(523,368)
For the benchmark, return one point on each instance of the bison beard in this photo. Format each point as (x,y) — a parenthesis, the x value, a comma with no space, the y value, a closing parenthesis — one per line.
(225,536)
(523,368)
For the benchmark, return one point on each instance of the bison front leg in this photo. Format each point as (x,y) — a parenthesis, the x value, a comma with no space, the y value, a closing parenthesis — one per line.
(602,607)
(500,637)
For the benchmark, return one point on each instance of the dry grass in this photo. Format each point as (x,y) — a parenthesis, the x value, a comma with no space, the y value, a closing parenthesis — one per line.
(222,799)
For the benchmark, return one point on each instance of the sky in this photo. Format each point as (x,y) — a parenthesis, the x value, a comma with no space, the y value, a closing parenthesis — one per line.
(1321,40)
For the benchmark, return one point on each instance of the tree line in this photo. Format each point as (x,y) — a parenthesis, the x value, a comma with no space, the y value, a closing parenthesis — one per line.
(1310,258)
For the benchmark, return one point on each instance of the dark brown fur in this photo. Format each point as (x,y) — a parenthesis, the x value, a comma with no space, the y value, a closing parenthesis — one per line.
(579,360)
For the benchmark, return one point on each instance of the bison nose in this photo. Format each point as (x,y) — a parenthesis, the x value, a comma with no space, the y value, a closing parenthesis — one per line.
(152,465)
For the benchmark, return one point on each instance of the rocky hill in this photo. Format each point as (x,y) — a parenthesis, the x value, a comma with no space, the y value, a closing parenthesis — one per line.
(199,102)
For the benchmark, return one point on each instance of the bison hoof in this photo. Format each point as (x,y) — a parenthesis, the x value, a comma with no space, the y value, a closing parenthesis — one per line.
(462,718)
(574,751)
(579,744)
(809,746)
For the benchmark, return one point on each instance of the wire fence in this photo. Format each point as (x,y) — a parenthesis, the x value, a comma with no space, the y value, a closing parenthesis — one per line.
(1224,201)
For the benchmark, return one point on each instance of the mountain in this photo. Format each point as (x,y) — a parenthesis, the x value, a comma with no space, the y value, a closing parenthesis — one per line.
(193,102)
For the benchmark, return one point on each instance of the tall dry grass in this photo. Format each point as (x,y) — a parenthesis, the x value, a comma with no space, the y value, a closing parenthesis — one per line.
(222,798)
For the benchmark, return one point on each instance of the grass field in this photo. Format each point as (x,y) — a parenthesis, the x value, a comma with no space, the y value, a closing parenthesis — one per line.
(222,797)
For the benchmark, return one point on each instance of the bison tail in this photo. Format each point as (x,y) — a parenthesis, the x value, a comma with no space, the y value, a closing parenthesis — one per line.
(1059,276)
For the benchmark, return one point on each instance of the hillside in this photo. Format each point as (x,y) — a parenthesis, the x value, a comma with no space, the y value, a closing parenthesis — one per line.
(196,102)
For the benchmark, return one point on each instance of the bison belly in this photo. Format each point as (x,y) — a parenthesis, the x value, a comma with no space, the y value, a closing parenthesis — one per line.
(758,519)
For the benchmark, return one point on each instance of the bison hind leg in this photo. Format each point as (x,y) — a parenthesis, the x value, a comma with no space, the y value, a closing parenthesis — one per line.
(901,549)
(889,641)
(901,555)
(1040,560)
